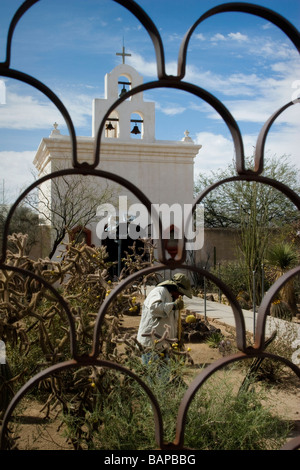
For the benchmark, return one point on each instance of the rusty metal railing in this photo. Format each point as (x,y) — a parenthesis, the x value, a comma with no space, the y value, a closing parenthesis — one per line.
(84,168)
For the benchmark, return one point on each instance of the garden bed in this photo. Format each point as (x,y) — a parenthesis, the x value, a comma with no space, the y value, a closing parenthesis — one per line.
(38,433)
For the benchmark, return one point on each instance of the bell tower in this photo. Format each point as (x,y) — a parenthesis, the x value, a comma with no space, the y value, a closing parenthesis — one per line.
(134,118)
(163,169)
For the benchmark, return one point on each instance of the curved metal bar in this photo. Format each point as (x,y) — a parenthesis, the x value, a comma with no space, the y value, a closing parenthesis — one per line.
(23,77)
(71,171)
(265,305)
(152,30)
(83,362)
(19,13)
(59,298)
(204,376)
(270,15)
(190,88)
(260,143)
(237,312)
(293,444)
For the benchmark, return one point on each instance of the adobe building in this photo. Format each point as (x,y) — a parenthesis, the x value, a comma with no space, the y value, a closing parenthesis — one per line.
(162,169)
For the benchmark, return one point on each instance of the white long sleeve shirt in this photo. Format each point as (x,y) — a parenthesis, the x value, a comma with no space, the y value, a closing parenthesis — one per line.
(157,312)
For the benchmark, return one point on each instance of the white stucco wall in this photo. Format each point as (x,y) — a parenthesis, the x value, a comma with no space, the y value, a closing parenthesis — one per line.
(162,170)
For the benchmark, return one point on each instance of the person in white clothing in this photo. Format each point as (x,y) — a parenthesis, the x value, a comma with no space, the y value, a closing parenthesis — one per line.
(160,311)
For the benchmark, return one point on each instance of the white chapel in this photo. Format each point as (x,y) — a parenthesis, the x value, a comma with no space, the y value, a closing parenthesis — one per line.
(162,169)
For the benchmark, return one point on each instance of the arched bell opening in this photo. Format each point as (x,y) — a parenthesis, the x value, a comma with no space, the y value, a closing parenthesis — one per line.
(137,126)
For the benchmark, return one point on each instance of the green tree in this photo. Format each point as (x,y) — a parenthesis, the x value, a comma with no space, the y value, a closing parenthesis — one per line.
(24,220)
(258,211)
(68,202)
(227,203)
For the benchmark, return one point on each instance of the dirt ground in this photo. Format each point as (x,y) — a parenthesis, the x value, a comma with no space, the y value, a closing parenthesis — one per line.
(286,398)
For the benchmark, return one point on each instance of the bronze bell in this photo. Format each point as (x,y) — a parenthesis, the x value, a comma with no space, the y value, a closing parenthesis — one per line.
(135,130)
(109,126)
(123,91)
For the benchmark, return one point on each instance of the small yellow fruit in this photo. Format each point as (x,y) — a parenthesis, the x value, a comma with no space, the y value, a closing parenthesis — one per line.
(190,319)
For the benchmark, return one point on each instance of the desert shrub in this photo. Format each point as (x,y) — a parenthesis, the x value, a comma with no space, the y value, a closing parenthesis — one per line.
(214,339)
(100,408)
(222,419)
(279,259)
(118,414)
(280,309)
(219,418)
(274,371)
(34,324)
(233,275)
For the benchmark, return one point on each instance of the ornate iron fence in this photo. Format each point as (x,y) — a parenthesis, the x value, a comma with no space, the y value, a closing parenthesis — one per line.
(84,168)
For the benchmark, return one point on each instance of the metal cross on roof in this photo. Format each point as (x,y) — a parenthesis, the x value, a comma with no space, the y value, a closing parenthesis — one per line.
(123,54)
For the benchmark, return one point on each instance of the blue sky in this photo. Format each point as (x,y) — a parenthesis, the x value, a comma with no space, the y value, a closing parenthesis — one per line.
(246,62)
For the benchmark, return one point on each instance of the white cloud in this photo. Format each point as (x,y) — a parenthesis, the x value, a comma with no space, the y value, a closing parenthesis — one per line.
(231,36)
(170,109)
(217,152)
(236,84)
(80,109)
(258,111)
(284,141)
(252,97)
(2,92)
(17,170)
(274,49)
(28,112)
(175,37)
(147,68)
(254,111)
(267,26)
(260,46)
(218,37)
(273,81)
(238,36)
